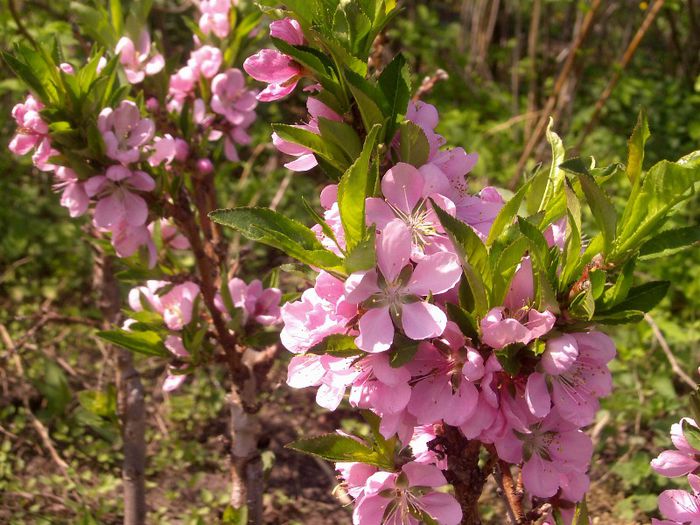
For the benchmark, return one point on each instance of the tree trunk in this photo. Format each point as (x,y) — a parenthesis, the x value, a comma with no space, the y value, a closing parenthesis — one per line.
(130,398)
(246,464)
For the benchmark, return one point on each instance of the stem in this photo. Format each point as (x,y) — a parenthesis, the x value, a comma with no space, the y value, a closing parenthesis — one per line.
(514,502)
(132,408)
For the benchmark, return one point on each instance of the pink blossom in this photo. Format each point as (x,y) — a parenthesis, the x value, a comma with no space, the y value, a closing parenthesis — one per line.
(137,59)
(279,71)
(127,239)
(124,131)
(182,84)
(305,159)
(442,392)
(170,235)
(421,447)
(426,117)
(215,17)
(164,150)
(395,292)
(679,506)
(354,476)
(322,311)
(576,367)
(173,380)
(406,192)
(205,61)
(379,386)
(500,330)
(32,130)
(333,375)
(393,498)
(556,454)
(117,201)
(683,460)
(257,304)
(175,305)
(231,98)
(288,30)
(73,194)
(204,166)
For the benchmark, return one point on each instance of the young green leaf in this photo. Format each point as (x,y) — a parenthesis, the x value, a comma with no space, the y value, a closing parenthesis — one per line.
(643,297)
(354,187)
(472,254)
(276,230)
(669,242)
(414,145)
(146,343)
(334,447)
(395,83)
(603,211)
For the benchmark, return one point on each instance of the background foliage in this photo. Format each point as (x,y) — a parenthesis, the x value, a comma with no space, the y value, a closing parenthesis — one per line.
(499,77)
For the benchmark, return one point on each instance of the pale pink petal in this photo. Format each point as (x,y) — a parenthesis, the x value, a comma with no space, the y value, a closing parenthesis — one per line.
(376,331)
(435,274)
(402,186)
(537,395)
(393,249)
(422,320)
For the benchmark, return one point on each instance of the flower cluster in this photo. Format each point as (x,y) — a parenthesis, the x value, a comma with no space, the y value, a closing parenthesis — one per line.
(135,153)
(418,370)
(176,305)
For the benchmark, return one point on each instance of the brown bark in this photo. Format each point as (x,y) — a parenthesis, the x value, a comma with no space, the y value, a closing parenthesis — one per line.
(130,398)
(464,473)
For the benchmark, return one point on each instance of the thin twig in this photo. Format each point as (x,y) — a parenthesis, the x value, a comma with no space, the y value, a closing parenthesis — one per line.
(38,425)
(619,68)
(558,85)
(669,354)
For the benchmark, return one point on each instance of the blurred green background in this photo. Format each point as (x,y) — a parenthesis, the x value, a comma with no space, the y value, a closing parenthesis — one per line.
(501,59)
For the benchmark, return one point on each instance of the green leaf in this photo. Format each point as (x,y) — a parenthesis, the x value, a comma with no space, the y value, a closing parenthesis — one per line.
(235,516)
(621,288)
(369,99)
(572,262)
(618,318)
(643,297)
(541,265)
(466,322)
(663,187)
(334,447)
(603,211)
(669,242)
(146,343)
(338,345)
(403,350)
(363,256)
(414,145)
(635,147)
(507,213)
(355,185)
(276,230)
(472,254)
(342,135)
(395,83)
(553,201)
(583,305)
(329,151)
(691,434)
(581,514)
